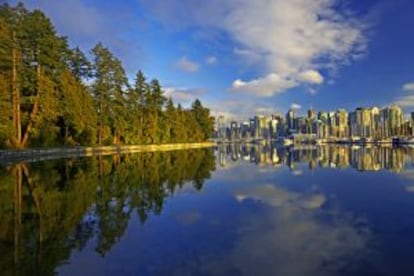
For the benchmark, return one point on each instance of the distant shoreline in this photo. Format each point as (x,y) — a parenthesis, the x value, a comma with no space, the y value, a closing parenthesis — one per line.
(10,156)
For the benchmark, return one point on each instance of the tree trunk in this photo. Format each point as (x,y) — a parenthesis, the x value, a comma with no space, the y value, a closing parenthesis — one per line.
(100,122)
(34,112)
(17,123)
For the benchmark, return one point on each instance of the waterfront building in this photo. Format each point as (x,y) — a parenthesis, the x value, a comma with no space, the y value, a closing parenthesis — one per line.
(333,127)
(290,119)
(264,123)
(221,128)
(252,127)
(311,114)
(341,117)
(360,123)
(323,116)
(391,120)
(374,119)
(300,125)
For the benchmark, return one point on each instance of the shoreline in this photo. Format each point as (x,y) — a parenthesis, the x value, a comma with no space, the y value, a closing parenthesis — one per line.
(11,156)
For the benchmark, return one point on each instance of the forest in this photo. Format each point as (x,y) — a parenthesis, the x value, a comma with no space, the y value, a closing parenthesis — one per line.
(55,95)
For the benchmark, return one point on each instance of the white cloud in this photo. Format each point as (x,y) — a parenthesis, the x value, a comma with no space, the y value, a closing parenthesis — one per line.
(247,55)
(274,84)
(210,60)
(295,39)
(408,87)
(405,101)
(240,109)
(266,86)
(295,106)
(183,95)
(311,76)
(187,65)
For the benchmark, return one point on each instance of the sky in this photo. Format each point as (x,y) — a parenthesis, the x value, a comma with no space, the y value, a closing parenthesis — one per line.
(243,58)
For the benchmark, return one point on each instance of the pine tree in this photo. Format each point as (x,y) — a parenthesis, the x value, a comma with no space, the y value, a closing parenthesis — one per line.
(102,89)
(203,118)
(44,99)
(136,107)
(170,122)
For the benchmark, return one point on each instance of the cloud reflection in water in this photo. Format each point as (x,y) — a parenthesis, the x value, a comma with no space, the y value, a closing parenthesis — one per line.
(296,236)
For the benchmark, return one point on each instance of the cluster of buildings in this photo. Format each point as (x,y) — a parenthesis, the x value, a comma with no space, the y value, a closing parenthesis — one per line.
(372,123)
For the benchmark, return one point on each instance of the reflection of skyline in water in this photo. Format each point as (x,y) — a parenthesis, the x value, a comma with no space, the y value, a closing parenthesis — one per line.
(327,156)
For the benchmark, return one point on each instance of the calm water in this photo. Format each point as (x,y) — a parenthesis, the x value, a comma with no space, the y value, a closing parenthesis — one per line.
(233,210)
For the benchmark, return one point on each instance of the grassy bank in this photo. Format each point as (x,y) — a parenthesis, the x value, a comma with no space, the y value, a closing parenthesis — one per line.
(33,155)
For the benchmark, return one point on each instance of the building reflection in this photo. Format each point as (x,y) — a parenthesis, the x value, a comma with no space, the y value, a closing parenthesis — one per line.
(371,158)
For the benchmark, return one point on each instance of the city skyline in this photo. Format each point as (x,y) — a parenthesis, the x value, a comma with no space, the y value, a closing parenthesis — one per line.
(326,54)
(362,122)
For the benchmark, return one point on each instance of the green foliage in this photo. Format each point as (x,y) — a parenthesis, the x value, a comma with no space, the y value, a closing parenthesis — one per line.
(53,95)
(6,126)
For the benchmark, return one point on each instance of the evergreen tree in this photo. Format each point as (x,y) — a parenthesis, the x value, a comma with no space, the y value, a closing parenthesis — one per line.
(136,107)
(44,98)
(203,118)
(102,89)
(170,123)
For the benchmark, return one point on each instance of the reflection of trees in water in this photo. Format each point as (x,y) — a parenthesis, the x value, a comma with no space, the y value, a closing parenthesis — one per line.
(362,158)
(43,205)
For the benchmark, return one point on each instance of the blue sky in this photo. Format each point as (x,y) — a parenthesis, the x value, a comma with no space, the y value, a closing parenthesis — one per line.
(255,57)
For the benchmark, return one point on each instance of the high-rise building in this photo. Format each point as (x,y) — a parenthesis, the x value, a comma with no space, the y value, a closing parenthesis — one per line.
(323,116)
(333,126)
(290,119)
(375,122)
(341,117)
(300,125)
(252,128)
(391,120)
(365,123)
(264,123)
(221,126)
(353,129)
(311,114)
(360,122)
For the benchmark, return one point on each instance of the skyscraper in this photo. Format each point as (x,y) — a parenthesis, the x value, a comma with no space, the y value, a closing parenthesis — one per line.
(311,114)
(290,119)
(342,123)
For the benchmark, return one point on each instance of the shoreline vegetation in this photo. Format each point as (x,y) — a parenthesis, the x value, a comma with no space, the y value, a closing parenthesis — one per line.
(8,156)
(54,95)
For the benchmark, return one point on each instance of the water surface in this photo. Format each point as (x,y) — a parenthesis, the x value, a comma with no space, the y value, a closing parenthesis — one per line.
(233,210)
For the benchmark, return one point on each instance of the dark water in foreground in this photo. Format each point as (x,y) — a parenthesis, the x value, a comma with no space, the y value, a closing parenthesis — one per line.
(229,211)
